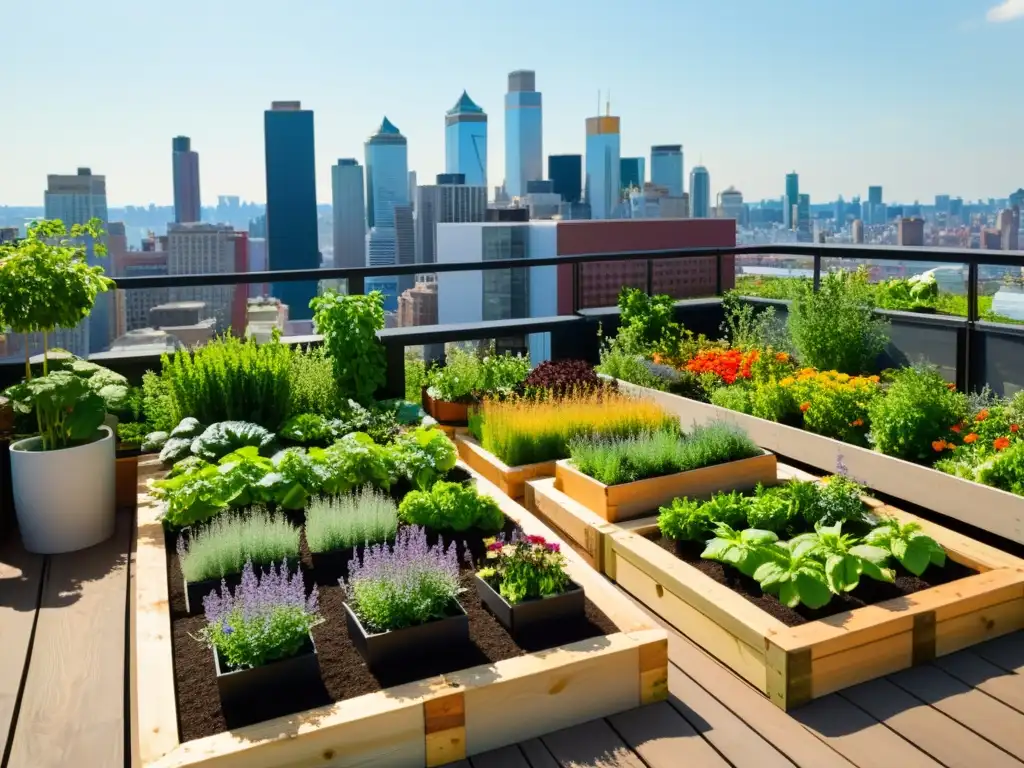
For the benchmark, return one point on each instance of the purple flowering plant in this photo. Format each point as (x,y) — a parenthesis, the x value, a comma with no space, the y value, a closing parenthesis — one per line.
(410,583)
(268,617)
(525,568)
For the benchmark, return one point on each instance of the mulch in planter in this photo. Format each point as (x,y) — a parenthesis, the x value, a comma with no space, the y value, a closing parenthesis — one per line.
(868,591)
(344,673)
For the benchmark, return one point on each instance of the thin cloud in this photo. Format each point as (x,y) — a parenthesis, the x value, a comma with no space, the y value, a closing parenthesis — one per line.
(1008,10)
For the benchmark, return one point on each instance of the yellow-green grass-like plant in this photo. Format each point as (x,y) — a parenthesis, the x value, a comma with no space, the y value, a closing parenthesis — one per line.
(342,522)
(222,547)
(528,431)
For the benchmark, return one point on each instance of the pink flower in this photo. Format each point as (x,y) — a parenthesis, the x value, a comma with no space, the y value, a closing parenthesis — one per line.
(495,546)
(553,546)
(536,539)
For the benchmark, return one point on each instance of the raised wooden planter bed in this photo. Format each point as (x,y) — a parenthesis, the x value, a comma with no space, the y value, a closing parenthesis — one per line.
(429,722)
(979,505)
(627,501)
(511,481)
(792,665)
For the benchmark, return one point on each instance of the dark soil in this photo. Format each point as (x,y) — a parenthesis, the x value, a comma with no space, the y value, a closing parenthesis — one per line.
(344,674)
(868,592)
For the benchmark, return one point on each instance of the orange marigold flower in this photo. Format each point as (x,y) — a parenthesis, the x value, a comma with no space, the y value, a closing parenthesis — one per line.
(982,415)
(804,407)
(1014,427)
(656,358)
(939,445)
(857,423)
(950,386)
(782,357)
(874,379)
(956,428)
(971,438)
(1000,443)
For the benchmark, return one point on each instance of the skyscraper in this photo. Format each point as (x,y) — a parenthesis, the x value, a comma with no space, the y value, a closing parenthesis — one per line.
(730,205)
(566,175)
(524,147)
(185,166)
(292,241)
(208,249)
(387,186)
(667,167)
(465,141)
(603,184)
(449,201)
(75,199)
(631,172)
(876,214)
(792,198)
(349,213)
(700,192)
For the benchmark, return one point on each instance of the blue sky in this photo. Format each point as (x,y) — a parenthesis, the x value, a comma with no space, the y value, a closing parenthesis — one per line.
(921,96)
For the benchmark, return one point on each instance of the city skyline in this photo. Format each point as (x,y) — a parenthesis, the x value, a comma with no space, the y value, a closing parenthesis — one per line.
(863,82)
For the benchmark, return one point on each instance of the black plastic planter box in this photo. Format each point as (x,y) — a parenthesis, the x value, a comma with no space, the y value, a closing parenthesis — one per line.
(241,689)
(529,614)
(386,648)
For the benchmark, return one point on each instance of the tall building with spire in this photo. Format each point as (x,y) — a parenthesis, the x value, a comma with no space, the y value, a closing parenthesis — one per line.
(185,167)
(387,189)
(603,176)
(465,141)
(524,147)
(292,238)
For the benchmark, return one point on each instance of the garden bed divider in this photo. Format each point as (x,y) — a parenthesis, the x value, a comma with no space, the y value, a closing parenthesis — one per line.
(792,665)
(428,722)
(989,509)
(511,481)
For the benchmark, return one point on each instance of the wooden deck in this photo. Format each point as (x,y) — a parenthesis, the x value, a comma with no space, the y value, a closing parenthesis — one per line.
(64,694)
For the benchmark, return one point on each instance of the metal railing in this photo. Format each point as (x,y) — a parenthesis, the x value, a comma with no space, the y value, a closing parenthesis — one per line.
(575,334)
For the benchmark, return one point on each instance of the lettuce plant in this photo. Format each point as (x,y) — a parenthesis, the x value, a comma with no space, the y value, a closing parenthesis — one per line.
(844,558)
(685,520)
(423,456)
(451,507)
(795,577)
(222,438)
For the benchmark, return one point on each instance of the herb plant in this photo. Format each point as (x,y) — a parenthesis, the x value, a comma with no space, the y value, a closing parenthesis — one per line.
(744,550)
(408,584)
(844,558)
(225,545)
(67,411)
(685,520)
(308,429)
(451,507)
(458,379)
(525,568)
(559,378)
(266,618)
(913,549)
(423,456)
(349,325)
(795,577)
(342,522)
(313,390)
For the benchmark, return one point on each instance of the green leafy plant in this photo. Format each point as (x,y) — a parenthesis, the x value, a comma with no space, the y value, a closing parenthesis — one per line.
(749,327)
(313,390)
(415,376)
(525,568)
(46,281)
(342,522)
(745,550)
(917,410)
(646,322)
(451,507)
(794,577)
(349,325)
(839,501)
(1003,470)
(225,437)
(844,558)
(308,429)
(908,544)
(224,545)
(458,379)
(836,327)
(67,411)
(423,456)
(295,477)
(771,509)
(156,402)
(352,462)
(736,397)
(685,520)
(230,380)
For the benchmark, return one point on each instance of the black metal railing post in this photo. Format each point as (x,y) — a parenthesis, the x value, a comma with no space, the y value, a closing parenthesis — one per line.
(970,347)
(356,285)
(817,270)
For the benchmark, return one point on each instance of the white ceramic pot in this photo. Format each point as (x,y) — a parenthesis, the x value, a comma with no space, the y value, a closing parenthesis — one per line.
(64,499)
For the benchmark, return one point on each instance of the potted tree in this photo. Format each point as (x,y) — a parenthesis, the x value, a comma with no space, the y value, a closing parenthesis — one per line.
(62,478)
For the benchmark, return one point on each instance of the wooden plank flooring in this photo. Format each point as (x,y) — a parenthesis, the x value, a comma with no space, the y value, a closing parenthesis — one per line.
(62,695)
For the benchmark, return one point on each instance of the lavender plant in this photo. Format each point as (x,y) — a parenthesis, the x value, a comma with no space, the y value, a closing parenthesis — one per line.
(267,618)
(411,583)
(226,543)
(338,522)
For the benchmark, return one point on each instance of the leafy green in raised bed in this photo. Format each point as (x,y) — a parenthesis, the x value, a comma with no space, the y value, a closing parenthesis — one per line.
(913,549)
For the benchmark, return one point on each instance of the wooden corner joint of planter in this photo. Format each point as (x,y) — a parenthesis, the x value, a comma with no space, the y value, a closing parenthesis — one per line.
(653,666)
(444,728)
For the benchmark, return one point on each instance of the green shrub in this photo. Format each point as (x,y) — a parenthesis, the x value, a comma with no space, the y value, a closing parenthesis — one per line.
(451,507)
(735,398)
(458,379)
(625,365)
(415,377)
(343,522)
(1004,470)
(222,547)
(349,325)
(917,410)
(836,327)
(653,454)
(230,380)
(313,387)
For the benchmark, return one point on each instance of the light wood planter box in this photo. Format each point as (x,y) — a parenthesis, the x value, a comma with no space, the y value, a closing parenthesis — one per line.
(794,665)
(627,501)
(511,481)
(987,508)
(430,722)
